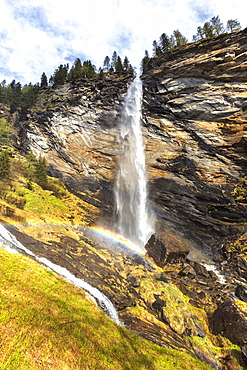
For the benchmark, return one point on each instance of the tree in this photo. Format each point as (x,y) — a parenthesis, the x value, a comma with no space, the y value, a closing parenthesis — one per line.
(179,38)
(114,59)
(164,42)
(233,25)
(5,132)
(41,172)
(88,70)
(60,74)
(208,30)
(119,65)
(156,49)
(5,164)
(106,64)
(217,26)
(76,71)
(199,35)
(44,82)
(145,60)
(29,95)
(126,64)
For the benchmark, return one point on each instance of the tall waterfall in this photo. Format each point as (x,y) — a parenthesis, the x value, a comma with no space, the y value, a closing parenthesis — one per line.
(133,221)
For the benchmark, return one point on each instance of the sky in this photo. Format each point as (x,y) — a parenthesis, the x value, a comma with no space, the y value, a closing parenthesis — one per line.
(37,36)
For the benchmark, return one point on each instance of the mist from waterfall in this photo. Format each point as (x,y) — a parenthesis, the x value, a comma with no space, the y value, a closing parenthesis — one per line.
(134,221)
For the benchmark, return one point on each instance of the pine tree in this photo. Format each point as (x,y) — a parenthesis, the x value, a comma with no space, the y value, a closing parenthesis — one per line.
(126,64)
(41,172)
(106,64)
(179,38)
(156,49)
(76,71)
(145,60)
(114,60)
(217,26)
(44,82)
(208,30)
(164,42)
(60,74)
(233,25)
(118,65)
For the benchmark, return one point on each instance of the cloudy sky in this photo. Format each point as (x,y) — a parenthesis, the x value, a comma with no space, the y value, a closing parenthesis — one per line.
(38,35)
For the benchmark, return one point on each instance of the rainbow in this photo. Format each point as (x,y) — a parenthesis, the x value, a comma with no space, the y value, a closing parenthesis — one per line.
(115,238)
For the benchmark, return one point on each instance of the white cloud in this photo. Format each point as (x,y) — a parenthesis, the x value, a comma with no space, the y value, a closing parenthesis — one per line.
(38,35)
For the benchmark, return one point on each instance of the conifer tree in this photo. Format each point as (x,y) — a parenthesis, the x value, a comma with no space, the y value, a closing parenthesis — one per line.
(179,38)
(145,60)
(217,26)
(44,82)
(106,64)
(233,25)
(118,65)
(126,64)
(41,172)
(164,42)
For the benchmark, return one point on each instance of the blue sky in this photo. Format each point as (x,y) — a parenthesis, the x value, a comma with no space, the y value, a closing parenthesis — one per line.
(37,36)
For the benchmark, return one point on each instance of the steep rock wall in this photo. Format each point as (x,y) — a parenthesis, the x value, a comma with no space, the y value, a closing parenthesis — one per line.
(195,102)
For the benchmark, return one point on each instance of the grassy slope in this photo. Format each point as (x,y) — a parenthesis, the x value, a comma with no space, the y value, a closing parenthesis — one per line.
(47,323)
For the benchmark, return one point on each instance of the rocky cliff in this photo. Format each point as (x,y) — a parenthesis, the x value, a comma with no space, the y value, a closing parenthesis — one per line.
(194,111)
(195,104)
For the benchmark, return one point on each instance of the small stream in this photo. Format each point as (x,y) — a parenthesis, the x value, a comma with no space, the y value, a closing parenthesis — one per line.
(12,245)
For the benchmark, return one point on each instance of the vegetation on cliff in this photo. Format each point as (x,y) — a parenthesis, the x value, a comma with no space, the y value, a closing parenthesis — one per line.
(212,28)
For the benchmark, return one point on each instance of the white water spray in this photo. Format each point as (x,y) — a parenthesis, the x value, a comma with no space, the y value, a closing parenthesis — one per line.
(133,216)
(10,243)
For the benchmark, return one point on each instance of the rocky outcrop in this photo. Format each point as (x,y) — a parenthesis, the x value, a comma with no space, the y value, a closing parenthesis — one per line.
(230,322)
(195,129)
(74,128)
(165,249)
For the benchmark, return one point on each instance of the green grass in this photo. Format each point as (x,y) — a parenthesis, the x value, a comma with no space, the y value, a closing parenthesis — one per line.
(47,323)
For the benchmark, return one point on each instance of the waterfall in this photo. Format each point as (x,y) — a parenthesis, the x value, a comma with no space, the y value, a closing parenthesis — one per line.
(132,211)
(11,244)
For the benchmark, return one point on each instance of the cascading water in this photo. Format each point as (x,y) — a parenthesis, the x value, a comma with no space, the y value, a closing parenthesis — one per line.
(133,215)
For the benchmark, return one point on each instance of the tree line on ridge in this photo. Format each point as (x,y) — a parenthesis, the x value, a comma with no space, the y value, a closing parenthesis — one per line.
(210,29)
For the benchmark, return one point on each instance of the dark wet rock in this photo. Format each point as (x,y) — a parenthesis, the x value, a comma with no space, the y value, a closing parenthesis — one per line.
(164,337)
(244,353)
(158,304)
(207,359)
(241,292)
(230,322)
(166,249)
(133,281)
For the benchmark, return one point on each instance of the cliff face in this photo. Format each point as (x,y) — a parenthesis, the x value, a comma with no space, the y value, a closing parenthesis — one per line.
(194,113)
(195,104)
(74,128)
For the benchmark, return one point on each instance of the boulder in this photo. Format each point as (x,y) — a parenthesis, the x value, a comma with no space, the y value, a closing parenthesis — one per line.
(230,322)
(158,304)
(165,249)
(241,292)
